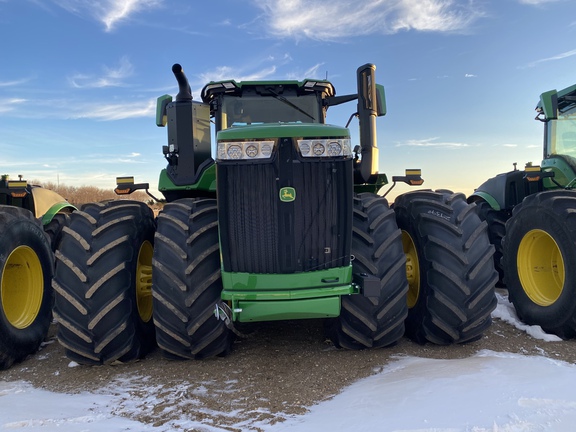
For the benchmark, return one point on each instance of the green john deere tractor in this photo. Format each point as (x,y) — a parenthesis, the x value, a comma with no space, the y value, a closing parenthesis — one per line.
(530,214)
(26,265)
(283,223)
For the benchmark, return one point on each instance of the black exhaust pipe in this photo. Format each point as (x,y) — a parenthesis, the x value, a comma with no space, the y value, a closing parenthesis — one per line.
(184,92)
(188,122)
(366,170)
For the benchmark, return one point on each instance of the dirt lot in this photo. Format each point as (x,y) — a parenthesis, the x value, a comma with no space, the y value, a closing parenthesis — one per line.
(280,369)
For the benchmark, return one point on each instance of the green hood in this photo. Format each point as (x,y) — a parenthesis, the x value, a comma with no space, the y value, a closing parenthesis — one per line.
(284,130)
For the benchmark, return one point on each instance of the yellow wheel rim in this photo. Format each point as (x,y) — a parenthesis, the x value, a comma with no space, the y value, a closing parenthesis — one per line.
(22,287)
(144,281)
(412,269)
(540,267)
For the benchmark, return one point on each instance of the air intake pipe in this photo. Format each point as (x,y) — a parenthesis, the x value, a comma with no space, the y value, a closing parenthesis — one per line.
(366,169)
(189,148)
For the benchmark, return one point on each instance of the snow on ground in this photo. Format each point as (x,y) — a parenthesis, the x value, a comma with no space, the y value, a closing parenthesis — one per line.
(506,312)
(490,391)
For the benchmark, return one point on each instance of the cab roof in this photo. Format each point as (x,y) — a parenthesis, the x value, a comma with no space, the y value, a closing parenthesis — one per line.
(233,88)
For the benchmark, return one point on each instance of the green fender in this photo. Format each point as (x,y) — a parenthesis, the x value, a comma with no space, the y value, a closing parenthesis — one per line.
(57,208)
(486,197)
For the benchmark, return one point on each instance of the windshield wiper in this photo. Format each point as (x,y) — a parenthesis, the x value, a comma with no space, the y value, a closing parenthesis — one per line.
(286,101)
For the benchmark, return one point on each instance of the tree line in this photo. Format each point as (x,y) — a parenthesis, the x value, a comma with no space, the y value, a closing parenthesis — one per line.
(78,195)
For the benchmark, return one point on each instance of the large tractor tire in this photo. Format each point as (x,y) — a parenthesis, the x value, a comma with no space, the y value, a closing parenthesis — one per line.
(540,261)
(26,268)
(496,220)
(103,283)
(188,282)
(449,267)
(376,321)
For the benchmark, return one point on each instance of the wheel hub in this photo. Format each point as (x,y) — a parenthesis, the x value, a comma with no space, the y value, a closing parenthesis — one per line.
(412,269)
(144,281)
(541,267)
(22,287)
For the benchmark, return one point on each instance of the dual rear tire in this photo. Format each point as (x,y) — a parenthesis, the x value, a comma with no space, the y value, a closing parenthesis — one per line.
(434,261)
(103,283)
(187,281)
(449,267)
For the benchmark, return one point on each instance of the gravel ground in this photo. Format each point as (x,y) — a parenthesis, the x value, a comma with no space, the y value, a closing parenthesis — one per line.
(280,368)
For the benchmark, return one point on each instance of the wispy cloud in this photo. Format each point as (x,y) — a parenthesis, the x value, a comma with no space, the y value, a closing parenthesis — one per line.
(131,159)
(537,2)
(267,68)
(470,76)
(311,72)
(7,105)
(432,142)
(336,19)
(109,12)
(120,111)
(238,74)
(553,58)
(111,77)
(14,83)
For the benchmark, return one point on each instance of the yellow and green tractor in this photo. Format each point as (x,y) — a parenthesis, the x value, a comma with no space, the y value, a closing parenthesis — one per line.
(281,218)
(531,216)
(31,223)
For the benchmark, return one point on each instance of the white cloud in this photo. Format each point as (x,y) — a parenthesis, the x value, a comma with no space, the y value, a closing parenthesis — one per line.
(553,58)
(14,82)
(118,111)
(111,77)
(109,12)
(226,72)
(336,19)
(311,72)
(432,142)
(470,76)
(7,105)
(537,2)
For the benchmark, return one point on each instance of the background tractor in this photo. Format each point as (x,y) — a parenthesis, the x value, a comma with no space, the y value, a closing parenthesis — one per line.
(26,265)
(280,221)
(531,221)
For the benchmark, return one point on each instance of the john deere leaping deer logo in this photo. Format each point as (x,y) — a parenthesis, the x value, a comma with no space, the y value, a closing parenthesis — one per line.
(287,194)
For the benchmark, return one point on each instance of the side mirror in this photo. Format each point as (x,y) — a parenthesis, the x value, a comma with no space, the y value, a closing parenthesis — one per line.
(380,100)
(161,104)
(549,104)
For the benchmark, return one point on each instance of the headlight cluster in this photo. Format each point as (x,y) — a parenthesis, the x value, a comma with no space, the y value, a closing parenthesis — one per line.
(325,147)
(237,150)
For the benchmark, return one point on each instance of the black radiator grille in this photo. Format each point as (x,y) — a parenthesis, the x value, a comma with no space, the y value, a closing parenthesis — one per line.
(261,234)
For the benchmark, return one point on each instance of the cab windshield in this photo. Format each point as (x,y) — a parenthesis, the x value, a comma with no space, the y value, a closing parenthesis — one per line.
(250,110)
(561,139)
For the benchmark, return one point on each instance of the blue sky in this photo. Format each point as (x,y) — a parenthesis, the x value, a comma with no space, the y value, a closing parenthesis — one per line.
(79,78)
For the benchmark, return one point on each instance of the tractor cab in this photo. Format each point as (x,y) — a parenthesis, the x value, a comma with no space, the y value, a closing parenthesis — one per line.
(252,103)
(558,112)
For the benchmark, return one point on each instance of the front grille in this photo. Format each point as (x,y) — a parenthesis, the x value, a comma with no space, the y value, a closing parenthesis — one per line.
(261,234)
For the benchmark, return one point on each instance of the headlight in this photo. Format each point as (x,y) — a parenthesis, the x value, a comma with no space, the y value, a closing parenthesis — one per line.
(245,150)
(325,147)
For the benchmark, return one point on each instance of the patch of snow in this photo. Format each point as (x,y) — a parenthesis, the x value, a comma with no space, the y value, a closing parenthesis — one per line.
(487,392)
(506,312)
(25,408)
